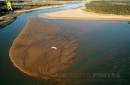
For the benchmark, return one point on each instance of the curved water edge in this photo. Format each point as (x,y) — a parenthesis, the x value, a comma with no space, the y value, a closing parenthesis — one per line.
(7,35)
(102,38)
(31,51)
(64,58)
(12,17)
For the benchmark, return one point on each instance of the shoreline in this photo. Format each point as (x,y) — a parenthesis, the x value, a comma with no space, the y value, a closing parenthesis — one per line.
(15,64)
(79,13)
(34,9)
(11,58)
(13,16)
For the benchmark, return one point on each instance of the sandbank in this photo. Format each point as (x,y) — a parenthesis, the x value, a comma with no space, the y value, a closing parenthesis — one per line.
(31,51)
(79,13)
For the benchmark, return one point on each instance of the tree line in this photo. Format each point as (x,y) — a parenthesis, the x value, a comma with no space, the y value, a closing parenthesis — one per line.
(118,8)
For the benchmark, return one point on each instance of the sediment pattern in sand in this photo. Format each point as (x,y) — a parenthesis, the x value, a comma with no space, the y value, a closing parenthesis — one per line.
(31,51)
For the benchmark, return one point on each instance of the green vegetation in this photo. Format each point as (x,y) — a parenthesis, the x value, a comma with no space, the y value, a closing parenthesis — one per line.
(3,7)
(67,0)
(31,5)
(105,7)
(35,4)
(26,5)
(4,18)
(38,4)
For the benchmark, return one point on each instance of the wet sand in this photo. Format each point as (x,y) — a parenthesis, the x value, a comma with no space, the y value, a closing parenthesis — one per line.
(31,51)
(79,13)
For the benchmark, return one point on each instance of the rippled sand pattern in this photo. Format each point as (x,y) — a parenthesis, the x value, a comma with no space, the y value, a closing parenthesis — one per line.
(31,51)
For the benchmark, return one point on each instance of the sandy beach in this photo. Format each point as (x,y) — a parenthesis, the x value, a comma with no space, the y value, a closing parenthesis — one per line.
(31,51)
(79,13)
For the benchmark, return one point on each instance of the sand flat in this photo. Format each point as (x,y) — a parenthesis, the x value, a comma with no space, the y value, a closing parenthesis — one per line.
(31,51)
(78,13)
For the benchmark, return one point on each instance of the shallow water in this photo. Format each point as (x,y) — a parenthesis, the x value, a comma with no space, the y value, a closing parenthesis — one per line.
(9,75)
(103,47)
(32,50)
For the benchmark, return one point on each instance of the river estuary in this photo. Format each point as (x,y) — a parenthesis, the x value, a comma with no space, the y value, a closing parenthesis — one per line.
(102,58)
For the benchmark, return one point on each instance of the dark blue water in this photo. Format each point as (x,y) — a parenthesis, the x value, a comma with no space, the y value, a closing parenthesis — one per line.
(103,47)
(9,75)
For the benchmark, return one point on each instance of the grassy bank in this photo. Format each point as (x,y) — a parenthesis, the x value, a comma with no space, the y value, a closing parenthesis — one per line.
(7,19)
(8,16)
(105,7)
